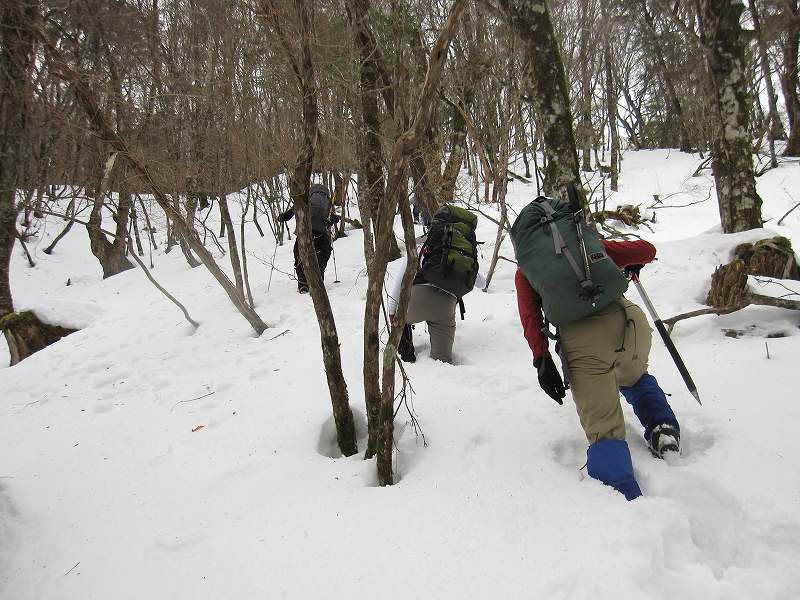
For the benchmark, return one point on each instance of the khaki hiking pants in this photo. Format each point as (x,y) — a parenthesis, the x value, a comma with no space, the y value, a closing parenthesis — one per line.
(438,309)
(605,350)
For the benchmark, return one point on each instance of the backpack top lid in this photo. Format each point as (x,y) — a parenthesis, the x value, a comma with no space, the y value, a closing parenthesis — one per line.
(549,254)
(449,256)
(455,214)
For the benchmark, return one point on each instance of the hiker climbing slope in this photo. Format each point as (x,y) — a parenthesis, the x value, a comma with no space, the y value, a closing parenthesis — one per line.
(319,200)
(447,270)
(603,339)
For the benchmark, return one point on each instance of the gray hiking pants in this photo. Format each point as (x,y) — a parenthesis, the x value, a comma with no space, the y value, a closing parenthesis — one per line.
(438,309)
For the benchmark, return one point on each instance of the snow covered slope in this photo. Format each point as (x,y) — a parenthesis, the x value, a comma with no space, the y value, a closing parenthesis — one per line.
(111,489)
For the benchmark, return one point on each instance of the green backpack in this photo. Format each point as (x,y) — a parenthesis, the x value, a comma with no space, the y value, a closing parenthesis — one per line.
(449,257)
(567,266)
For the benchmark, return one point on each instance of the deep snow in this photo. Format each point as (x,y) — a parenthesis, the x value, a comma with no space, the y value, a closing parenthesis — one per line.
(107,492)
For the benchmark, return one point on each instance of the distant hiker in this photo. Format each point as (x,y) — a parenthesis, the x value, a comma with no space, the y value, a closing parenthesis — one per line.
(447,269)
(603,339)
(418,212)
(319,200)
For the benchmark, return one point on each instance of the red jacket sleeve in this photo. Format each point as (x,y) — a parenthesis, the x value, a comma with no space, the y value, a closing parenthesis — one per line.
(530,313)
(637,252)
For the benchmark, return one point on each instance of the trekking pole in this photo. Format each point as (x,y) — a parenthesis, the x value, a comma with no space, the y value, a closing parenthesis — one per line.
(335,271)
(272,265)
(331,212)
(673,351)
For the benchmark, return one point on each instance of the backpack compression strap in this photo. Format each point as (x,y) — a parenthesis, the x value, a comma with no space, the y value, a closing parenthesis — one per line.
(585,279)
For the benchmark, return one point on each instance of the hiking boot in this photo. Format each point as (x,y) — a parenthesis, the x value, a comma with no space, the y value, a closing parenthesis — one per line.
(664,438)
(406,346)
(302,289)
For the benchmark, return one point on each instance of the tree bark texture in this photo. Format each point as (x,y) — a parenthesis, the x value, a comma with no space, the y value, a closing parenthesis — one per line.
(110,254)
(732,163)
(673,101)
(17,19)
(611,100)
(403,148)
(377,245)
(299,184)
(774,127)
(233,249)
(370,152)
(386,420)
(26,334)
(789,81)
(585,129)
(530,20)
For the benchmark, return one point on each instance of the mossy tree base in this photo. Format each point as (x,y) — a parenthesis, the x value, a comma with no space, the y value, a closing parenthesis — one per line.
(26,334)
(772,257)
(729,286)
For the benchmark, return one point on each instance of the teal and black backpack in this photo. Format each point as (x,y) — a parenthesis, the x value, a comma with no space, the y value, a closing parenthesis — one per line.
(449,257)
(565,261)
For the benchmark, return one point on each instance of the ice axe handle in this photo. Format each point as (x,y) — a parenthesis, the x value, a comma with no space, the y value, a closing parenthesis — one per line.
(673,352)
(662,331)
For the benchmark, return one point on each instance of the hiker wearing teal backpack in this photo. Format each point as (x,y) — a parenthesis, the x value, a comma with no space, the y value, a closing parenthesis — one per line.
(571,278)
(446,271)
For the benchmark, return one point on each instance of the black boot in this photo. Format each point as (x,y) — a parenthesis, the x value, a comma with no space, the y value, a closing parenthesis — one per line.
(665,438)
(406,346)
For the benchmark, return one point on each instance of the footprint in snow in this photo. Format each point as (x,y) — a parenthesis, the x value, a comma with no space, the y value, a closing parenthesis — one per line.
(713,528)
(570,452)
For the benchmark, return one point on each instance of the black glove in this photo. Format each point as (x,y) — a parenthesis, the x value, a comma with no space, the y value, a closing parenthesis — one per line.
(550,379)
(283,217)
(334,219)
(633,270)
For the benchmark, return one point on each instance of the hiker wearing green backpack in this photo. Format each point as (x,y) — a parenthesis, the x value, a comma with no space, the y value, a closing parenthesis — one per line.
(447,270)
(569,277)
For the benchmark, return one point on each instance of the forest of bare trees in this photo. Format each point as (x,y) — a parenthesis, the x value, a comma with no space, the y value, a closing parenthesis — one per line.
(154,111)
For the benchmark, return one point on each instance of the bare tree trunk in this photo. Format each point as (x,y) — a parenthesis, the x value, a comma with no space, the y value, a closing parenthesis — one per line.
(611,99)
(24,332)
(585,135)
(789,81)
(502,228)
(70,213)
(739,203)
(403,147)
(377,229)
(530,20)
(181,238)
(134,226)
(299,184)
(233,249)
(370,179)
(774,127)
(110,255)
(386,416)
(16,49)
(458,144)
(674,103)
(245,275)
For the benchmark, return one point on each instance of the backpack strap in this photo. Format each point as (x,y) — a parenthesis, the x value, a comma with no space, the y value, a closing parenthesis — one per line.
(461,308)
(561,246)
(560,351)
